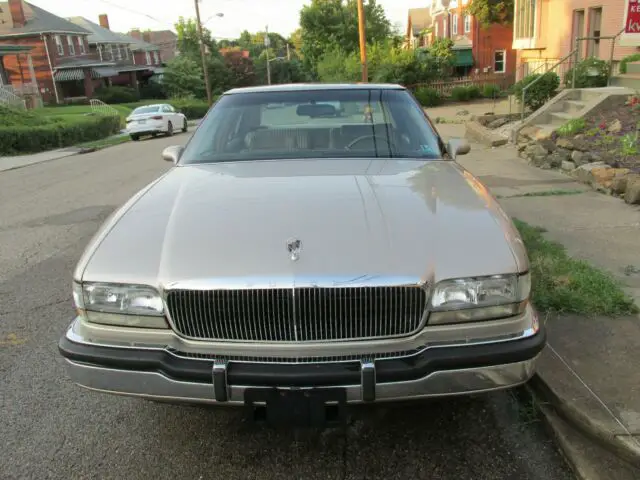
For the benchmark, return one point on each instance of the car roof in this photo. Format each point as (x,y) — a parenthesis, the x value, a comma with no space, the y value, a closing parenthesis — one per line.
(301,87)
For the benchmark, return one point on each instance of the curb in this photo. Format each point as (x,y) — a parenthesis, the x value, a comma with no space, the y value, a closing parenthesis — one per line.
(576,418)
(474,130)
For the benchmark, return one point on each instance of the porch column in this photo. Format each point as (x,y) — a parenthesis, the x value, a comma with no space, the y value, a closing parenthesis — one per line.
(32,72)
(134,80)
(88,83)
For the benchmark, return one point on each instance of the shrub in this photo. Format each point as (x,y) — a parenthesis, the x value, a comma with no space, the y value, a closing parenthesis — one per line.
(541,92)
(460,94)
(635,57)
(152,90)
(490,90)
(192,108)
(117,94)
(572,127)
(428,97)
(18,139)
(474,92)
(590,73)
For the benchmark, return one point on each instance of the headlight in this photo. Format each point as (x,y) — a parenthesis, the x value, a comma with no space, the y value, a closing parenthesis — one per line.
(119,304)
(476,299)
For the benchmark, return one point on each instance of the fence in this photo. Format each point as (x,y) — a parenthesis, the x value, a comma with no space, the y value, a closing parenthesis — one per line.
(99,107)
(8,98)
(444,87)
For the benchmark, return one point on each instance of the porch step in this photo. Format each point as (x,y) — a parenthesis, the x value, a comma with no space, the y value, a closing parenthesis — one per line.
(560,118)
(633,67)
(573,106)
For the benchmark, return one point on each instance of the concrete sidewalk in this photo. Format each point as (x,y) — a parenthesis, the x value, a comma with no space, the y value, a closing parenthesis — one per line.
(19,161)
(590,369)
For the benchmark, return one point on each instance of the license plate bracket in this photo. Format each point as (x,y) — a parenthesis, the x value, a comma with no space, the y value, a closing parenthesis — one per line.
(316,408)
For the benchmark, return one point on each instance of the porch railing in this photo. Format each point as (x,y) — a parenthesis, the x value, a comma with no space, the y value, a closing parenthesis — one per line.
(9,98)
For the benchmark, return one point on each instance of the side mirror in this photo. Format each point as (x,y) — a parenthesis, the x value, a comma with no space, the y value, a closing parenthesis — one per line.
(457,147)
(173,153)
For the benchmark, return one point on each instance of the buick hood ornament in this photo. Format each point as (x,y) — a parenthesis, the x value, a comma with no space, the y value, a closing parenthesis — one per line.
(294,246)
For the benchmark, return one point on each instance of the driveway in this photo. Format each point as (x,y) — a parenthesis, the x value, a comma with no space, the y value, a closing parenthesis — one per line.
(51,429)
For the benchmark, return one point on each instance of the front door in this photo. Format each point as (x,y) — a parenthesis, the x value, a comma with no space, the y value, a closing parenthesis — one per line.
(595,24)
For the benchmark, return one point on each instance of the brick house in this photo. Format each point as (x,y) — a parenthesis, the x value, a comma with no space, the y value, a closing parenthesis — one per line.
(418,23)
(545,31)
(166,40)
(134,62)
(478,50)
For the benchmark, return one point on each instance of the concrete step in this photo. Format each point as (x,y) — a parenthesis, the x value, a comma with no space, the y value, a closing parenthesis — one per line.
(560,118)
(588,94)
(573,106)
(629,80)
(633,67)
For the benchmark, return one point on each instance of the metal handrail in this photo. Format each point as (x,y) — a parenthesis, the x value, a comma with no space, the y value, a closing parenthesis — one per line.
(11,99)
(98,106)
(527,87)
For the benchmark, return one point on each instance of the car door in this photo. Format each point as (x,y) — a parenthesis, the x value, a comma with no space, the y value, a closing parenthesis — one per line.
(176,118)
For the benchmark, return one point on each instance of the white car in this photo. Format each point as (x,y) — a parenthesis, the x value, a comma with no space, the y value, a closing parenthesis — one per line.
(155,119)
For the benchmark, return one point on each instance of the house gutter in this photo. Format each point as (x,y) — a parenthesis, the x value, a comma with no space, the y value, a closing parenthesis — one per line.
(53,80)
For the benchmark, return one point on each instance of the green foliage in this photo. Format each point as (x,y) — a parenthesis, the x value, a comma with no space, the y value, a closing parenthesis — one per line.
(629,146)
(572,127)
(327,25)
(590,73)
(10,117)
(428,97)
(442,48)
(192,108)
(152,90)
(30,138)
(490,90)
(540,93)
(474,92)
(188,39)
(282,71)
(635,57)
(183,76)
(460,94)
(117,94)
(488,12)
(241,70)
(338,66)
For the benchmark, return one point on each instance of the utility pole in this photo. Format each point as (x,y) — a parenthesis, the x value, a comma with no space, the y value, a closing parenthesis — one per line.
(363,41)
(288,52)
(202,54)
(267,43)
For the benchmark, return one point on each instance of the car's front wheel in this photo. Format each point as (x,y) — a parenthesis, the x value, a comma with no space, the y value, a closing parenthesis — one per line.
(169,129)
(135,138)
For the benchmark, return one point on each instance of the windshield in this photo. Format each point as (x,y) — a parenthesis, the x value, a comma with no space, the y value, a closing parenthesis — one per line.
(332,123)
(141,110)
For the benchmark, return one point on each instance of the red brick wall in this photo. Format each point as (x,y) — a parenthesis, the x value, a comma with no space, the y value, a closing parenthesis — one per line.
(141,58)
(18,71)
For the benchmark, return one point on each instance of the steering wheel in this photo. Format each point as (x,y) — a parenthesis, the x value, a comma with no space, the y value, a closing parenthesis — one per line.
(365,137)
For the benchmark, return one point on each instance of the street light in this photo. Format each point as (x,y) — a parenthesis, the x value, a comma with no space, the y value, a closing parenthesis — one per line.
(207,85)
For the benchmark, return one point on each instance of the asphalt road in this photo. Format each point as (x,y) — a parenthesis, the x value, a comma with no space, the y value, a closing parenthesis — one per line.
(50,428)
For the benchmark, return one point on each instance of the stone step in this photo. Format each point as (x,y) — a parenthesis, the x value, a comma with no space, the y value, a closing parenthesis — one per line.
(573,106)
(560,118)
(633,67)
(629,80)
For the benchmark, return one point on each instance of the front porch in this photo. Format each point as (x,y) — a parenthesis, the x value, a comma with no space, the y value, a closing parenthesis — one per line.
(19,86)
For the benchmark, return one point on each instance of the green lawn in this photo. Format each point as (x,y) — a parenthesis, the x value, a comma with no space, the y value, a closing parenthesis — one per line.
(564,284)
(61,111)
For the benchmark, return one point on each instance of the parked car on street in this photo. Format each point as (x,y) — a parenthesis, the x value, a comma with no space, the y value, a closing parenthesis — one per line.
(294,262)
(155,119)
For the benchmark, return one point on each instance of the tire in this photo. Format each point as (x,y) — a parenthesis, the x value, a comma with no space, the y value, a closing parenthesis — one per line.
(185,127)
(135,138)
(169,129)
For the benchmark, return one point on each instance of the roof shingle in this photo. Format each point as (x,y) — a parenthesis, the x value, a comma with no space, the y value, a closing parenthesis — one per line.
(37,21)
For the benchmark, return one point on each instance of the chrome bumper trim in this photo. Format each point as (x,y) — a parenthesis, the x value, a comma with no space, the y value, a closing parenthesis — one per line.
(152,385)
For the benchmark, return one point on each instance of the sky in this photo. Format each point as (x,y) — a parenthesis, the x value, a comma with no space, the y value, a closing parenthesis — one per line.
(239,15)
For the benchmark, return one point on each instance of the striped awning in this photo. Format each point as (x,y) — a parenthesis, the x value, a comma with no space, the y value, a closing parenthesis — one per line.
(69,75)
(102,72)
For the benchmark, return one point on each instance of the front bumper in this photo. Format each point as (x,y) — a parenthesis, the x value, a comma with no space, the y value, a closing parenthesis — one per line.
(160,373)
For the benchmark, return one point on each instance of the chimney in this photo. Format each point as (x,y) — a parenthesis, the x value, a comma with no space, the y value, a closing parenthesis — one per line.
(135,33)
(104,21)
(146,36)
(17,13)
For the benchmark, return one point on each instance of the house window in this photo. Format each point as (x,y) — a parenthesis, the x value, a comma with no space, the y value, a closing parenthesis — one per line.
(59,45)
(454,24)
(72,47)
(525,19)
(148,58)
(156,58)
(499,61)
(83,49)
(118,53)
(467,23)
(110,51)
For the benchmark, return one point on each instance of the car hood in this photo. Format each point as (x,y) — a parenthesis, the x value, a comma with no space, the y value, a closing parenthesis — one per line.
(404,220)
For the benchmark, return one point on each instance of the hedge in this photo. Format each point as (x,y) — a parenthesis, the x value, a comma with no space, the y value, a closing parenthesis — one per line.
(634,57)
(32,139)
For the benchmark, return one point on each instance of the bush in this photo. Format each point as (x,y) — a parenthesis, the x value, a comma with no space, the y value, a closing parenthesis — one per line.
(18,139)
(474,92)
(428,97)
(541,92)
(152,90)
(460,94)
(631,58)
(590,73)
(490,90)
(572,127)
(192,108)
(117,94)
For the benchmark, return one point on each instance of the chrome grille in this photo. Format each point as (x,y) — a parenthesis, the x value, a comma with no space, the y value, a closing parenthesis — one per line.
(301,314)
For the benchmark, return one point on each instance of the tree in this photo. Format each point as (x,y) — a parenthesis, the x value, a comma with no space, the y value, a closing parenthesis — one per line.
(241,70)
(488,12)
(183,78)
(188,39)
(329,24)
(442,48)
